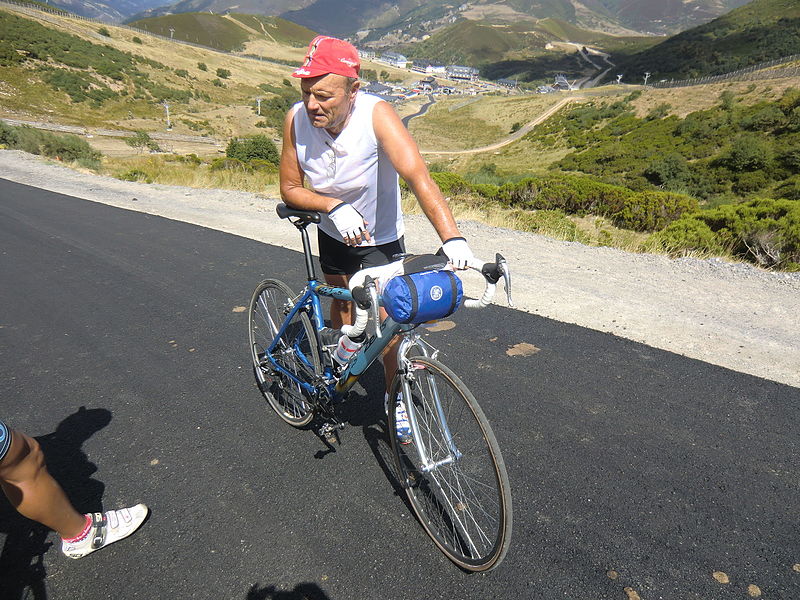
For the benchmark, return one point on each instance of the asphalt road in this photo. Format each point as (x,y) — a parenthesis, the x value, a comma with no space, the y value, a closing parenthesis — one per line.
(636,473)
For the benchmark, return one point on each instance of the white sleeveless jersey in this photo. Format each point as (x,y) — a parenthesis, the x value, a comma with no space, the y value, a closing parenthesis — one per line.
(353,168)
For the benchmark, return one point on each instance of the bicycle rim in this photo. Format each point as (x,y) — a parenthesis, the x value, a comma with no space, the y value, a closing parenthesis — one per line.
(464,503)
(296,351)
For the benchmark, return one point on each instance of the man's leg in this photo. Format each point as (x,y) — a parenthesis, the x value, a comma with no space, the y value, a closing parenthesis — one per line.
(33,491)
(342,312)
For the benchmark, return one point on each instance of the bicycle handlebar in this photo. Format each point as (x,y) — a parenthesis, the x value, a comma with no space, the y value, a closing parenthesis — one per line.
(364,287)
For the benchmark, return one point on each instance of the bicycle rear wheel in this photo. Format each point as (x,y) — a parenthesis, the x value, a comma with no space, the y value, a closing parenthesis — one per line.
(452,470)
(296,351)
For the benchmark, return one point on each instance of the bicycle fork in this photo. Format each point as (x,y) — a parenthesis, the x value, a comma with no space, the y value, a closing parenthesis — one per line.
(427,463)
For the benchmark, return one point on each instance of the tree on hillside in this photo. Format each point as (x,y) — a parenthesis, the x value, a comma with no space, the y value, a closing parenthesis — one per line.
(141,140)
(256,147)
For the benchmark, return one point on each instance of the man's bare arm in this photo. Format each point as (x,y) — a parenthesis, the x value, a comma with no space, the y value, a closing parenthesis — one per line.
(402,151)
(292,177)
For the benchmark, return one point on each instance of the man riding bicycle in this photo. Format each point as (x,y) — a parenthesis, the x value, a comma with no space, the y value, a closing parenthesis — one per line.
(351,146)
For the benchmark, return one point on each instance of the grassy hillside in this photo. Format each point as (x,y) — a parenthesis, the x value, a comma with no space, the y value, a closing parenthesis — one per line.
(78,72)
(232,32)
(201,28)
(757,32)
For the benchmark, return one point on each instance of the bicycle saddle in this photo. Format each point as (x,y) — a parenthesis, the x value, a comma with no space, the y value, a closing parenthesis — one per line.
(307,216)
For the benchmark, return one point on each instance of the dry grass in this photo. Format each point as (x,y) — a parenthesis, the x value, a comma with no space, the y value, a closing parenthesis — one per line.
(690,99)
(452,124)
(170,171)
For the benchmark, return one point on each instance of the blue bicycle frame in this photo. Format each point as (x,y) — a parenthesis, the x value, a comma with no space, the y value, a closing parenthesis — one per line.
(309,301)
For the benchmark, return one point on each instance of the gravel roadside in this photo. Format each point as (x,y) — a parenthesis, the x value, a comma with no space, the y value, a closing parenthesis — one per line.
(729,314)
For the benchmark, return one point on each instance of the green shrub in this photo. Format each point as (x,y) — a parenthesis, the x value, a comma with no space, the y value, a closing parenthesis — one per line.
(749,182)
(789,189)
(643,211)
(217,83)
(68,147)
(137,40)
(104,32)
(687,235)
(764,119)
(29,140)
(90,163)
(8,135)
(487,190)
(763,231)
(230,164)
(265,166)
(652,211)
(255,147)
(202,66)
(450,183)
(135,175)
(748,152)
(658,112)
(223,73)
(181,72)
(671,172)
(8,54)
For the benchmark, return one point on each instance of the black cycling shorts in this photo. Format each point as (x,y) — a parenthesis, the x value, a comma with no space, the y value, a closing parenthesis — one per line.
(5,439)
(337,258)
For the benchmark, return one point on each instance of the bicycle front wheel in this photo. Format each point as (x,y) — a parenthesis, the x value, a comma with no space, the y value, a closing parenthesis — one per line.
(452,469)
(296,351)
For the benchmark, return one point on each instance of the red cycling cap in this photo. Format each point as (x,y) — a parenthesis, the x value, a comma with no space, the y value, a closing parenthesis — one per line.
(329,55)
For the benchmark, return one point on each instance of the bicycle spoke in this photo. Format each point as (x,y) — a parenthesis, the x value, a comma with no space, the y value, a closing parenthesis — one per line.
(456,479)
(294,357)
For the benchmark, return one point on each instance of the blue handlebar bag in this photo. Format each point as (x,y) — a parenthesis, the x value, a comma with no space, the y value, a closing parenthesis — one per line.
(422,297)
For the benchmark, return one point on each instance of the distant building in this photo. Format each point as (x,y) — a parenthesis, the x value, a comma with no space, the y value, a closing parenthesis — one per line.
(461,72)
(376,88)
(561,83)
(435,68)
(394,59)
(509,83)
(420,66)
(428,85)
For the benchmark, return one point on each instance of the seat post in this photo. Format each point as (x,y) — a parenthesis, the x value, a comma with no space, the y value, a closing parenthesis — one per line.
(301,225)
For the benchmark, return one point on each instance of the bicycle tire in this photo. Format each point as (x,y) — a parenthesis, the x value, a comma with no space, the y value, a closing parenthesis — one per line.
(464,506)
(297,352)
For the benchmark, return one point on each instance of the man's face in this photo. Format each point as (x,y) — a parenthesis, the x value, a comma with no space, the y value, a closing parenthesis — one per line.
(328,100)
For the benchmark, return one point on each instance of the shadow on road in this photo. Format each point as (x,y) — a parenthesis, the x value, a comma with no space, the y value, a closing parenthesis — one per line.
(22,572)
(302,591)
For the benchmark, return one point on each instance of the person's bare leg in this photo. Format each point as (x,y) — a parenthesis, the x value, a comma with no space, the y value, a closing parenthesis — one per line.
(389,357)
(33,491)
(341,310)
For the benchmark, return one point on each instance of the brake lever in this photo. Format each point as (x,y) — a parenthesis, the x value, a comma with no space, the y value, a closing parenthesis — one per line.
(369,285)
(502,266)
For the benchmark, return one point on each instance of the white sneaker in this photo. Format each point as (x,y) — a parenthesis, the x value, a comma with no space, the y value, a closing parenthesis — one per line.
(106,529)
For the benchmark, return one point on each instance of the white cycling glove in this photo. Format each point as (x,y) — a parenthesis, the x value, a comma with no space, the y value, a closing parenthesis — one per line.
(348,221)
(458,253)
